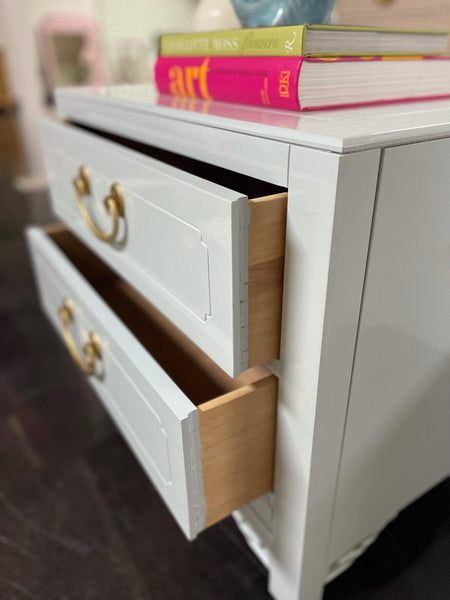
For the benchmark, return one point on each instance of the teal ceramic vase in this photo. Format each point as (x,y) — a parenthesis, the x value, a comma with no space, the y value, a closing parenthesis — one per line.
(265,13)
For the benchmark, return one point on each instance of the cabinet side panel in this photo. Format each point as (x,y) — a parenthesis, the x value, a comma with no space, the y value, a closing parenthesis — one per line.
(329,218)
(397,442)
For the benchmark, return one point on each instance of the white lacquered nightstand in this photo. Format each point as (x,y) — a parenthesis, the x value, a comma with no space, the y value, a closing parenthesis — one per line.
(262,301)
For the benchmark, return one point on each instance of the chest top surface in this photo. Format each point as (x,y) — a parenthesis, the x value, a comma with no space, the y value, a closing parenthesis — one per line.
(342,131)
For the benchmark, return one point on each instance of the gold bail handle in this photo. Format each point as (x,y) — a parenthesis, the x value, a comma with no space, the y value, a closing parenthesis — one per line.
(91,349)
(114,205)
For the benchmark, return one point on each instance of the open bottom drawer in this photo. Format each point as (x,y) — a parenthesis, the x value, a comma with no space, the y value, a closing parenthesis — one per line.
(206,440)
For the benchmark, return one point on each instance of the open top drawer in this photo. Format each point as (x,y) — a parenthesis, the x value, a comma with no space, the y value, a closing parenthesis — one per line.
(207,257)
(206,440)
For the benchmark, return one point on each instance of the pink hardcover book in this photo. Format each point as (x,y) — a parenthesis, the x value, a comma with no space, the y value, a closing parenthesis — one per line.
(304,83)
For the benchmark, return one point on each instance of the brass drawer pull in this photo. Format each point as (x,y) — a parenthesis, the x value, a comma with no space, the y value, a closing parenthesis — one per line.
(91,349)
(114,205)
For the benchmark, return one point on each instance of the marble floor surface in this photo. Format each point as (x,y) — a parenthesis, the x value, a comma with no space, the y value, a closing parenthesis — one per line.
(78,518)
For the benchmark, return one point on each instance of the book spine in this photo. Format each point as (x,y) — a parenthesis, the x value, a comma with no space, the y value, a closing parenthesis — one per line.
(267,81)
(264,41)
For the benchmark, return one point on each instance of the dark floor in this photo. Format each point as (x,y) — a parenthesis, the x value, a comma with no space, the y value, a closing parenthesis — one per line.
(78,518)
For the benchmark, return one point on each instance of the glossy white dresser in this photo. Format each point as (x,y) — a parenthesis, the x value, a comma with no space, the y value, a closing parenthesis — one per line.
(184,258)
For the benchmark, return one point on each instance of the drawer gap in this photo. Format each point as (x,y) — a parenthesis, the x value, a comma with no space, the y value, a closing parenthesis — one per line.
(244,184)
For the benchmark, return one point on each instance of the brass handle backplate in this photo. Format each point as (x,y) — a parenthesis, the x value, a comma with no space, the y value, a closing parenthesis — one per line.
(90,350)
(114,205)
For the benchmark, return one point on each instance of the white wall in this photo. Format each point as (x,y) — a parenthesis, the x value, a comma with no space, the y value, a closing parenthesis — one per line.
(38,9)
(18,22)
(416,14)
(130,31)
(22,68)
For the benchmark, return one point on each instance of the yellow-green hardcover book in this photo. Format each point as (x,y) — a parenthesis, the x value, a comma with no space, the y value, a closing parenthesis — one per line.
(306,40)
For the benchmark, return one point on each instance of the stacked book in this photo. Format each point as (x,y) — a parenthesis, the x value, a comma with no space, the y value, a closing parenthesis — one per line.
(305,67)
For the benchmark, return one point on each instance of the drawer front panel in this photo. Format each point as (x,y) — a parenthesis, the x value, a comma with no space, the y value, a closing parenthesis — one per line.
(180,240)
(138,416)
(149,409)
(206,459)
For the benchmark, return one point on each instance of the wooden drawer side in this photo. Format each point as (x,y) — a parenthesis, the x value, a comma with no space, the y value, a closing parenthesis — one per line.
(267,237)
(237,437)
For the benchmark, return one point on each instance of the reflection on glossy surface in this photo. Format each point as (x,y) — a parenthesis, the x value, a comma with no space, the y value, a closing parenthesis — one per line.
(337,130)
(277,118)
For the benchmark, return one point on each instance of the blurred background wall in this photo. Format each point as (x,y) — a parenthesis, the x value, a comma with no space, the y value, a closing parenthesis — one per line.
(417,14)
(48,43)
(130,36)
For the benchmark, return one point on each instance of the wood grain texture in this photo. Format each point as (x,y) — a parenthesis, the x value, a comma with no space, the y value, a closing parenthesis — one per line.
(267,238)
(237,435)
